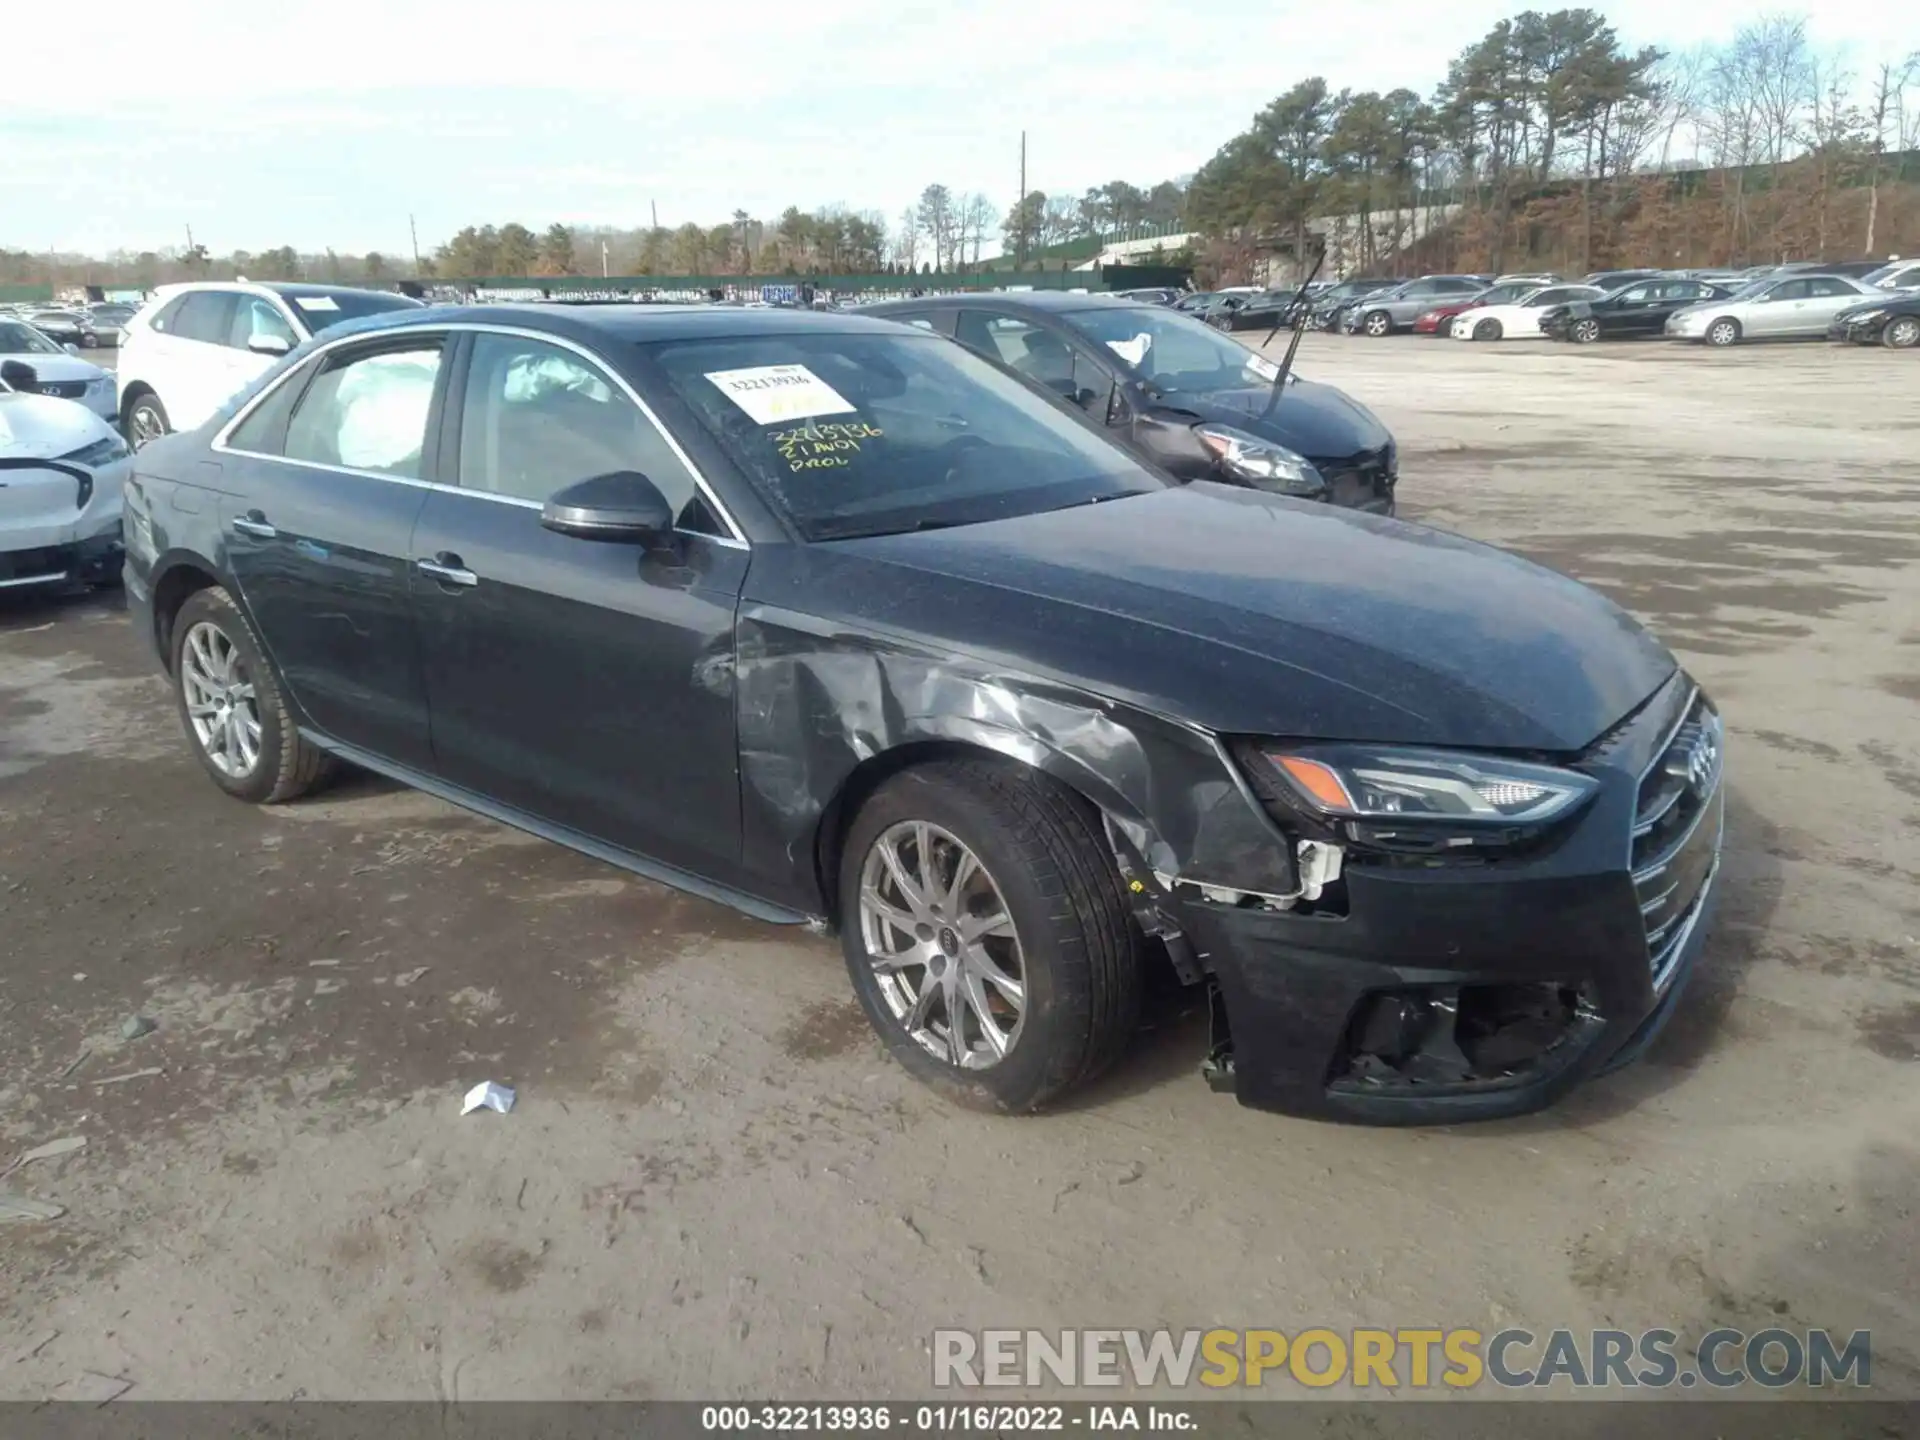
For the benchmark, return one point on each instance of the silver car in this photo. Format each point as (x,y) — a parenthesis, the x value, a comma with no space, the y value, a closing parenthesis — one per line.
(1386,311)
(1774,307)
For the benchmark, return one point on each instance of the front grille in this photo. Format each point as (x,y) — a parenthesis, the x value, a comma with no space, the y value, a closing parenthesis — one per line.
(63,389)
(1676,834)
(1359,477)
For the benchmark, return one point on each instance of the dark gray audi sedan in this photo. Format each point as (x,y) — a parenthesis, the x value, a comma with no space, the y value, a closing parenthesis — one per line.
(831,620)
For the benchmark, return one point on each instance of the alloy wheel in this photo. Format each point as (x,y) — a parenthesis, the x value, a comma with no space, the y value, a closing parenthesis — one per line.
(1903,333)
(1378,324)
(1722,332)
(220,700)
(146,425)
(942,945)
(1587,331)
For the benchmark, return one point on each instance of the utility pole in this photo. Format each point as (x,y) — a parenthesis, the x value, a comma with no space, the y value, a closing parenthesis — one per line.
(603,260)
(656,213)
(414,231)
(1020,239)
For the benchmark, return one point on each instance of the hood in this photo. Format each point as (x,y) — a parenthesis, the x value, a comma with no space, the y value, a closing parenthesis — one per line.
(38,426)
(1245,613)
(1313,420)
(59,367)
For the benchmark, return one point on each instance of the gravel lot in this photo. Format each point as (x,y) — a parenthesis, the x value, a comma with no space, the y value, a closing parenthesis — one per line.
(715,1184)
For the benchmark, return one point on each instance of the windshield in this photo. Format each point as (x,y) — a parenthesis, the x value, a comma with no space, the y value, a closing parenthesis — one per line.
(1176,353)
(875,434)
(336,307)
(21,339)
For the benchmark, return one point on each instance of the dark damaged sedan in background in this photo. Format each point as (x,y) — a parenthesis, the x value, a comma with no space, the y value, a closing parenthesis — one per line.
(831,620)
(1893,322)
(1180,394)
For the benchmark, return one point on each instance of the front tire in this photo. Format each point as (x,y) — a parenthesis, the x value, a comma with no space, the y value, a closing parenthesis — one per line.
(1488,330)
(1902,333)
(987,934)
(1585,332)
(146,420)
(1377,324)
(1723,332)
(232,707)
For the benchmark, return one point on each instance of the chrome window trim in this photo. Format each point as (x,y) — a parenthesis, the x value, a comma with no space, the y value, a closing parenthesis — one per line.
(734,539)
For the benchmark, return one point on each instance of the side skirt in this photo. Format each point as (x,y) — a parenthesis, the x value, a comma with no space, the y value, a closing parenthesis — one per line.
(640,865)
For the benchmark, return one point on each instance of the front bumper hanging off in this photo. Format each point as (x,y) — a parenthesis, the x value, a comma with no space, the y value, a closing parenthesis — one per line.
(1460,992)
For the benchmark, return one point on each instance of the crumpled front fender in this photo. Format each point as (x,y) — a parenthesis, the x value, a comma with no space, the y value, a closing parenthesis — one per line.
(822,710)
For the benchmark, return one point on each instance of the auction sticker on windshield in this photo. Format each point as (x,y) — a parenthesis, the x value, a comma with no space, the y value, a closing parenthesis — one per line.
(1263,367)
(773,393)
(316,302)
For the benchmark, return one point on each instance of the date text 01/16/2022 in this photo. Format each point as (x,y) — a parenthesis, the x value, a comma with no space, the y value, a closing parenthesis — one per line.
(878,1419)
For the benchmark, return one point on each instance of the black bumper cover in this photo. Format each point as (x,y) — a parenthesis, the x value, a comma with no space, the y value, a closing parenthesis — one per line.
(1292,984)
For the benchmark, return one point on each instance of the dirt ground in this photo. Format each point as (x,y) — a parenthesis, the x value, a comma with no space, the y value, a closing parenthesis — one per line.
(714,1184)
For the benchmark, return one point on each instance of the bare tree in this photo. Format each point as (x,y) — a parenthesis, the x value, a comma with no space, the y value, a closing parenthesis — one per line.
(1886,111)
(906,240)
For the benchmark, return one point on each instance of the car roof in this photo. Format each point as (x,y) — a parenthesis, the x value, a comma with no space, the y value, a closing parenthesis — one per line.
(640,323)
(1054,301)
(286,289)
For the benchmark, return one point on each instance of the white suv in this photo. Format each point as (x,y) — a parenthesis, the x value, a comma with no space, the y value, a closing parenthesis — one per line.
(195,346)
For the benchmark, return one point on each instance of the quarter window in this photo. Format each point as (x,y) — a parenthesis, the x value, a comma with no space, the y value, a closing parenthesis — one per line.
(368,412)
(538,417)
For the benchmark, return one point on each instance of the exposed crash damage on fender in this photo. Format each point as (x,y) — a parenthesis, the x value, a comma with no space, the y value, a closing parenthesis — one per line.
(886,640)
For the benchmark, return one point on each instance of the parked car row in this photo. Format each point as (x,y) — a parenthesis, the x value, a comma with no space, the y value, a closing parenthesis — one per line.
(1715,308)
(83,326)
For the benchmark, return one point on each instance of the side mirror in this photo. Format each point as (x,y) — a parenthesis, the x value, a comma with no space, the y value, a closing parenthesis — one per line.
(624,506)
(20,376)
(71,348)
(269,345)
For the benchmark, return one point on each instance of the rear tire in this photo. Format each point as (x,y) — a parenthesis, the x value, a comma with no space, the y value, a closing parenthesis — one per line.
(232,708)
(1068,944)
(1488,330)
(1902,333)
(1723,332)
(145,420)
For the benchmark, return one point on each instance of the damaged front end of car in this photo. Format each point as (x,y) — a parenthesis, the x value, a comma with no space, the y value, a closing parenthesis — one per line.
(1473,952)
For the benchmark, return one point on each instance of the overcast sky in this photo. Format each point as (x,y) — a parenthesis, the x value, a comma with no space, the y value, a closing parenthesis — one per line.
(315,125)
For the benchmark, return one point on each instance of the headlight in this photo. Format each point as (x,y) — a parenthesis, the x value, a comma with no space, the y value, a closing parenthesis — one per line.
(1371,783)
(103,451)
(1261,462)
(1864,316)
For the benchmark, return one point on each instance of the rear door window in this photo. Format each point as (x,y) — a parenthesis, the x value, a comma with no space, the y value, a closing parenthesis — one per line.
(368,411)
(206,316)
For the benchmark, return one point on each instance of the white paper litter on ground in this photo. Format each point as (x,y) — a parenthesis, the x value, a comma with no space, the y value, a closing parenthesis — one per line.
(488,1096)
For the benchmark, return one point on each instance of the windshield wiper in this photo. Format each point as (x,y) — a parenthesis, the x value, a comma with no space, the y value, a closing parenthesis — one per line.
(1298,311)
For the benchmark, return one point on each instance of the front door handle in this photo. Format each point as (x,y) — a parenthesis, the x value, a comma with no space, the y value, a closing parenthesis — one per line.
(447,569)
(255,524)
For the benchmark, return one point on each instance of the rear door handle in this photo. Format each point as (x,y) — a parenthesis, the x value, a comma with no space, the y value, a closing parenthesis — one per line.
(447,569)
(255,524)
